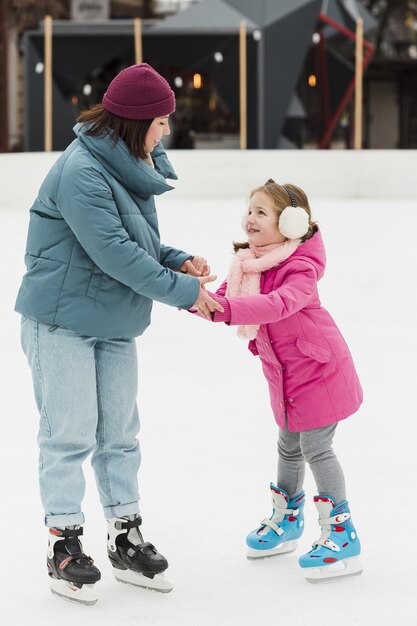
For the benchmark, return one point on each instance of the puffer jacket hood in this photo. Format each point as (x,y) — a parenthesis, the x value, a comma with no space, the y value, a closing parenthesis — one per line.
(312,251)
(134,174)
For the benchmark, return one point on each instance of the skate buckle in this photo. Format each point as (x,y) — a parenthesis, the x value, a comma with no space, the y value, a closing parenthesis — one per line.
(115,527)
(336,519)
(327,543)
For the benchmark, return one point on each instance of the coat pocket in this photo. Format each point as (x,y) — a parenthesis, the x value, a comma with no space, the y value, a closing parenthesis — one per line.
(94,284)
(313,350)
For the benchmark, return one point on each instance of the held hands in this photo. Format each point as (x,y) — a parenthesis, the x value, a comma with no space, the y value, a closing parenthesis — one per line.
(204,303)
(197,266)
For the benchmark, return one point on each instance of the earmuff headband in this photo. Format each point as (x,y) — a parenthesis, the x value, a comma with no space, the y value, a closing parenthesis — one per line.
(292,196)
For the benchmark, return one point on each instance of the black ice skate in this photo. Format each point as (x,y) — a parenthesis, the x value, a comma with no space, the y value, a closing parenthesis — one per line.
(72,573)
(134,561)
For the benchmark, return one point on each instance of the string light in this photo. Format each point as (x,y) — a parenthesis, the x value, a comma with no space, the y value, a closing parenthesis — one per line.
(39,67)
(412,52)
(197,81)
(316,38)
(87,89)
(312,80)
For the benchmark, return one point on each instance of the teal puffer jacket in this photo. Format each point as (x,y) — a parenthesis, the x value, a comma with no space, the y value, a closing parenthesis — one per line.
(93,256)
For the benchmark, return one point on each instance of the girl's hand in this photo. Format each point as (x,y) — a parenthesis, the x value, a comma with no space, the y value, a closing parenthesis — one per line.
(197,266)
(205,304)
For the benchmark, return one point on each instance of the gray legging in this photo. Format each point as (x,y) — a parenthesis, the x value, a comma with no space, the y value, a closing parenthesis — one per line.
(315,448)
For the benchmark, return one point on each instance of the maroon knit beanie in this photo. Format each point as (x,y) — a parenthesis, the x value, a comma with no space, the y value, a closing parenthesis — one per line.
(139,93)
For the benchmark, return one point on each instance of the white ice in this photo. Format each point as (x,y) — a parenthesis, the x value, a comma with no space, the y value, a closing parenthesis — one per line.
(208,438)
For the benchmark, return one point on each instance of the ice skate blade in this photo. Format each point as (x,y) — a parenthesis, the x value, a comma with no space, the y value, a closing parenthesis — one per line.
(285,548)
(65,590)
(157,583)
(334,572)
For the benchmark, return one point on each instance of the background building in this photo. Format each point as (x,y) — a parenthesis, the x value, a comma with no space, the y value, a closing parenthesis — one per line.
(300,70)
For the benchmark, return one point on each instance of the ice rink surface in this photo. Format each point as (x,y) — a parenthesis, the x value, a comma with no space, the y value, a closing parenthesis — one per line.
(208,439)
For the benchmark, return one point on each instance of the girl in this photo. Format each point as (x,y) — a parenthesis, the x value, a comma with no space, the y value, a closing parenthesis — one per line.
(94,265)
(271,295)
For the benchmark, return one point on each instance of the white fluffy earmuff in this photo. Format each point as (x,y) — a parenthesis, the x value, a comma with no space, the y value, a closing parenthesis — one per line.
(293,222)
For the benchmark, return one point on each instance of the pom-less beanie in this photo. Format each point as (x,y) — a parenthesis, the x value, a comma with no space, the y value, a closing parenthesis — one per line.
(139,93)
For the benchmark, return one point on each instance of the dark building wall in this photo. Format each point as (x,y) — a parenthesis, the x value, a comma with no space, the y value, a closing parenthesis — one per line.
(96,59)
(75,61)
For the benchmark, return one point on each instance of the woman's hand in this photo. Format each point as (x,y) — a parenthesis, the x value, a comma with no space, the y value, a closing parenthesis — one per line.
(197,266)
(205,304)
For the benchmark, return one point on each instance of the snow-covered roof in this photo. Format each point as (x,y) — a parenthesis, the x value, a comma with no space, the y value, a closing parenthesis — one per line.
(209,16)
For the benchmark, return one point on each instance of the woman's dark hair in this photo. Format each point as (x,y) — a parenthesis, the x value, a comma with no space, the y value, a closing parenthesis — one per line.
(133,132)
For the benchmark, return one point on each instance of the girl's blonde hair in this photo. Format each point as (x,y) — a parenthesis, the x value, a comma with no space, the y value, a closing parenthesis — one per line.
(280,199)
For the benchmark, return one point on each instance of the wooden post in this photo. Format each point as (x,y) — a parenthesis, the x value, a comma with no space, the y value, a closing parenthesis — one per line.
(4,74)
(47,84)
(243,85)
(138,40)
(358,84)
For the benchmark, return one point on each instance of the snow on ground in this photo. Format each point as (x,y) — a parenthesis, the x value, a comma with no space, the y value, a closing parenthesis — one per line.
(209,441)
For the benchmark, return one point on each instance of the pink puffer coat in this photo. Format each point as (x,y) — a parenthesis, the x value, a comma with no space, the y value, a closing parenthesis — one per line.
(306,361)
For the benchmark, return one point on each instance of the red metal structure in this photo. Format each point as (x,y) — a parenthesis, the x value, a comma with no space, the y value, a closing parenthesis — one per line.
(331,121)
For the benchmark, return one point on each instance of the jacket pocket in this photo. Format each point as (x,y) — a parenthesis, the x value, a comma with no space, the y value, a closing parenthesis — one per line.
(95,281)
(313,350)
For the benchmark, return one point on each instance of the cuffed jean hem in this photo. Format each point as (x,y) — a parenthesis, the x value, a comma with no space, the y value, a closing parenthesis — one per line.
(60,521)
(121,510)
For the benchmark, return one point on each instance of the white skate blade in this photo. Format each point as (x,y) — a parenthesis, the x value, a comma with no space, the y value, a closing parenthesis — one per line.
(67,591)
(157,583)
(336,571)
(284,548)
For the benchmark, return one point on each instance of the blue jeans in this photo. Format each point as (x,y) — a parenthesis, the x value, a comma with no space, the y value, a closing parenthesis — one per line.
(85,390)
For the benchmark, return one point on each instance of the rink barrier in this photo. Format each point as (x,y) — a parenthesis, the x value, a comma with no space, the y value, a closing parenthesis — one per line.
(231,173)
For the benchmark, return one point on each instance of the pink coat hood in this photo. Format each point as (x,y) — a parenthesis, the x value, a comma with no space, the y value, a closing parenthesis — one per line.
(310,372)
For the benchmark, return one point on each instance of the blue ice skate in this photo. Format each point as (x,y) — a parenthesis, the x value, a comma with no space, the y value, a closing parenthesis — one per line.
(336,553)
(279,533)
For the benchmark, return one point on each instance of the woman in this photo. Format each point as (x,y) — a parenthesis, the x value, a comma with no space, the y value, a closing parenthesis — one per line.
(94,266)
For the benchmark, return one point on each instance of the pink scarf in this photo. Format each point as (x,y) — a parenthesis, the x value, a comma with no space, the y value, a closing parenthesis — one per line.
(244,277)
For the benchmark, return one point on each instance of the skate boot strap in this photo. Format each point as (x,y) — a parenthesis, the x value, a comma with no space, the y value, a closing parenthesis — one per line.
(142,547)
(327,543)
(75,557)
(336,519)
(127,524)
(66,532)
(273,526)
(283,512)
